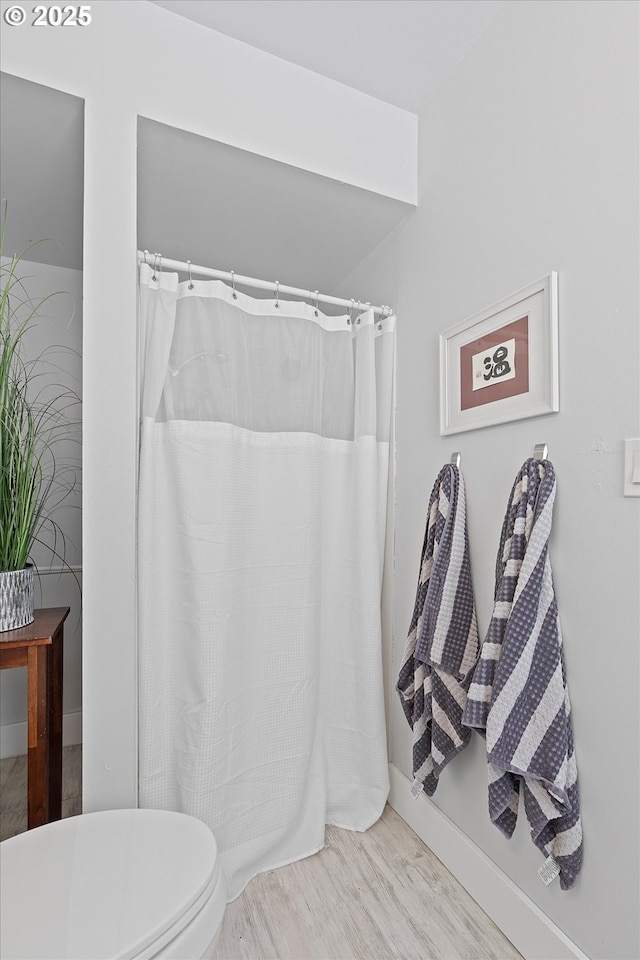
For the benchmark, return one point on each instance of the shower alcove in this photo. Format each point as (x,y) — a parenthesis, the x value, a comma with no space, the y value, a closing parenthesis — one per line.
(298,455)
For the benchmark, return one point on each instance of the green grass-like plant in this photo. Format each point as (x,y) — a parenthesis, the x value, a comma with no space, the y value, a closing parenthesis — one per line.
(35,419)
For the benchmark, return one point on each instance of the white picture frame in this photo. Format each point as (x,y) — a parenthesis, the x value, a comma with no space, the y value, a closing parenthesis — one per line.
(502,364)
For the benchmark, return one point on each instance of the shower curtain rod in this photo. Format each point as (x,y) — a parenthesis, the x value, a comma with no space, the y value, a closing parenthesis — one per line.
(157,261)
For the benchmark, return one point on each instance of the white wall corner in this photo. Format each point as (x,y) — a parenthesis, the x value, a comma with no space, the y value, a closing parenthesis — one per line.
(518,917)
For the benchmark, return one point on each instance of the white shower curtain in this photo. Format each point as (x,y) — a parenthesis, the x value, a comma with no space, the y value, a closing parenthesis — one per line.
(262,500)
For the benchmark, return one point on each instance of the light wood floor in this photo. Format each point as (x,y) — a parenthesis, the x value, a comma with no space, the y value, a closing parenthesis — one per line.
(379,895)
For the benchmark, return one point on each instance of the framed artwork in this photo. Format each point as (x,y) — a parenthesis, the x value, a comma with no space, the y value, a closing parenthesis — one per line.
(502,364)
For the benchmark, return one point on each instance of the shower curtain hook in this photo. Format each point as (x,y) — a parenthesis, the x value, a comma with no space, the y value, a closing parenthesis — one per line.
(146,254)
(277,303)
(233,285)
(351,311)
(154,276)
(190,278)
(359,318)
(316,295)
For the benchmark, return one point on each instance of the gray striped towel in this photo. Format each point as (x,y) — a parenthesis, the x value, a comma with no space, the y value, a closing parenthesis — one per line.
(443,644)
(519,692)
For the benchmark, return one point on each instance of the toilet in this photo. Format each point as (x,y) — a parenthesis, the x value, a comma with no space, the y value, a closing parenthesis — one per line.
(118,883)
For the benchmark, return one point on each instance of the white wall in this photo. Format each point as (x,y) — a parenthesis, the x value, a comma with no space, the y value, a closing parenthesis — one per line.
(56,335)
(528,163)
(137,59)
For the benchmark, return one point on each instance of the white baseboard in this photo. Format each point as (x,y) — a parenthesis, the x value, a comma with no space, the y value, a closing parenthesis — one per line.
(13,736)
(521,921)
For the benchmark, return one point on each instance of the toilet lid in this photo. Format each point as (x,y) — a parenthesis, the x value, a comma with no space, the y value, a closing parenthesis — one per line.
(101,885)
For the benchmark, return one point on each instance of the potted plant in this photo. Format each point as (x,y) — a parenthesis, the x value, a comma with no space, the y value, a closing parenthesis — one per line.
(35,426)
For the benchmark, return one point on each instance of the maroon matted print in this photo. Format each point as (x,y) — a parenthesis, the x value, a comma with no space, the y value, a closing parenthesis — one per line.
(495,366)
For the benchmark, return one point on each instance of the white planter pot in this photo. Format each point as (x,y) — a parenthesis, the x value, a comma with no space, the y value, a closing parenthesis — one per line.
(16,598)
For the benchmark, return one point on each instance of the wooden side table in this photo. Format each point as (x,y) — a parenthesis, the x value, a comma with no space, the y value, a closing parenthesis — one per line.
(38,647)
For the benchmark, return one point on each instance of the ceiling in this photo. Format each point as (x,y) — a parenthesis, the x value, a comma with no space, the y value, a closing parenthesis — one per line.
(399,51)
(222,207)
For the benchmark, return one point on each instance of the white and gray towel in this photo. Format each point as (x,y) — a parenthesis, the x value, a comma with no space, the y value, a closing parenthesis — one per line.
(443,644)
(519,695)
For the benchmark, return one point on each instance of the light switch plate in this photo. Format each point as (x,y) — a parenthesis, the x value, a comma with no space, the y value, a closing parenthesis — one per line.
(632,468)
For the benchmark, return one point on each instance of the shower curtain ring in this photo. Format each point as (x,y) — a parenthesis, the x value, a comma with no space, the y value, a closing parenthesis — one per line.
(154,275)
(351,311)
(359,307)
(316,296)
(190,278)
(233,286)
(277,303)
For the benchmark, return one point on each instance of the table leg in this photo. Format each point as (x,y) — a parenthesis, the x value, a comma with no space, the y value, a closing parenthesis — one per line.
(38,744)
(54,798)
